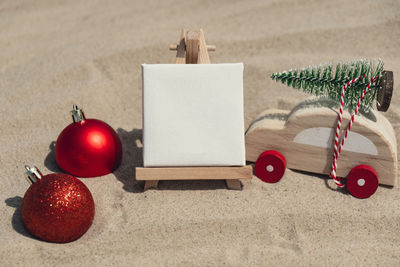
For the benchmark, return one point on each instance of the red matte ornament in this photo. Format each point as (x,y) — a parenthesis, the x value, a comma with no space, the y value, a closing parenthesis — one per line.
(88,147)
(56,207)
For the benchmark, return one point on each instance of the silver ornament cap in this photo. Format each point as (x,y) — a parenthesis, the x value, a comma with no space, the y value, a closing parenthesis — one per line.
(32,174)
(77,114)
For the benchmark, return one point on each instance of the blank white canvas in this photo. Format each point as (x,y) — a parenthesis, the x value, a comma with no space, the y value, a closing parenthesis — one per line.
(193,115)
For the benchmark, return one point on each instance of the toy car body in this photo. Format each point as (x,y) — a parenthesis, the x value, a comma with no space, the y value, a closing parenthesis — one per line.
(304,138)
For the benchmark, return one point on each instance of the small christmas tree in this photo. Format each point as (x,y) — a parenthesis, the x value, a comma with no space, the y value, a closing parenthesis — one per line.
(322,80)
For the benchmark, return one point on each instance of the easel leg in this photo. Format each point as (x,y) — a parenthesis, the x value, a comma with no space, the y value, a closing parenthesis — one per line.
(150,184)
(233,184)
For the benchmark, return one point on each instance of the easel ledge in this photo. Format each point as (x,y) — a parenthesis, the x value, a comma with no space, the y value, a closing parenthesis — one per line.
(230,174)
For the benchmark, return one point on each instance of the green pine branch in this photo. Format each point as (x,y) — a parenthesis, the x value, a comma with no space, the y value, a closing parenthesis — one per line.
(328,80)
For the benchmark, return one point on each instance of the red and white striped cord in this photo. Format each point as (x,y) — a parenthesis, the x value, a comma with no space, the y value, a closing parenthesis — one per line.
(338,145)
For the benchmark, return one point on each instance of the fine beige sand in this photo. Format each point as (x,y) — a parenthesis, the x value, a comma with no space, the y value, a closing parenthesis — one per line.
(56,53)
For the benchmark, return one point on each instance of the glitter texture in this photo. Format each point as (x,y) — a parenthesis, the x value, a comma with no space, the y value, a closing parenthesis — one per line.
(58,208)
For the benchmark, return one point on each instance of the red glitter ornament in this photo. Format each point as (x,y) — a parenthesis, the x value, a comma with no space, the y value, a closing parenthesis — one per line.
(88,147)
(57,207)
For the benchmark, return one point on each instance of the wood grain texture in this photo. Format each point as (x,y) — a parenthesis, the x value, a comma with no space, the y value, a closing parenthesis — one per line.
(233,184)
(276,129)
(150,184)
(385,91)
(194,173)
(192,47)
(204,57)
(174,47)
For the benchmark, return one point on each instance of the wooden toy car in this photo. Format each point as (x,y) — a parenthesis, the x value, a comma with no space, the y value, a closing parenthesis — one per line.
(302,139)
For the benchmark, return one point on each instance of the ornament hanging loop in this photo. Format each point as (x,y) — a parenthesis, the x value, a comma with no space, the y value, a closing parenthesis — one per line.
(77,114)
(32,174)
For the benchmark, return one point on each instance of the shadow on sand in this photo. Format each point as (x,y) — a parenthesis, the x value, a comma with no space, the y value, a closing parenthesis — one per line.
(133,157)
(16,220)
(50,160)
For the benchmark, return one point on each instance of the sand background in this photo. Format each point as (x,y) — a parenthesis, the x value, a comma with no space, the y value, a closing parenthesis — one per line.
(56,53)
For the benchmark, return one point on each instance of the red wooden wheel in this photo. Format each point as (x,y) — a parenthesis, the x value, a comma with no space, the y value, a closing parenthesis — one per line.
(270,166)
(362,181)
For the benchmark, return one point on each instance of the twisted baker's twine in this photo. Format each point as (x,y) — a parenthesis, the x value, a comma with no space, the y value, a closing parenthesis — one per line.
(338,147)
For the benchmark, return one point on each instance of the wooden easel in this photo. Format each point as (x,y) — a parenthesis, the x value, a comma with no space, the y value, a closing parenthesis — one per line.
(192,49)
